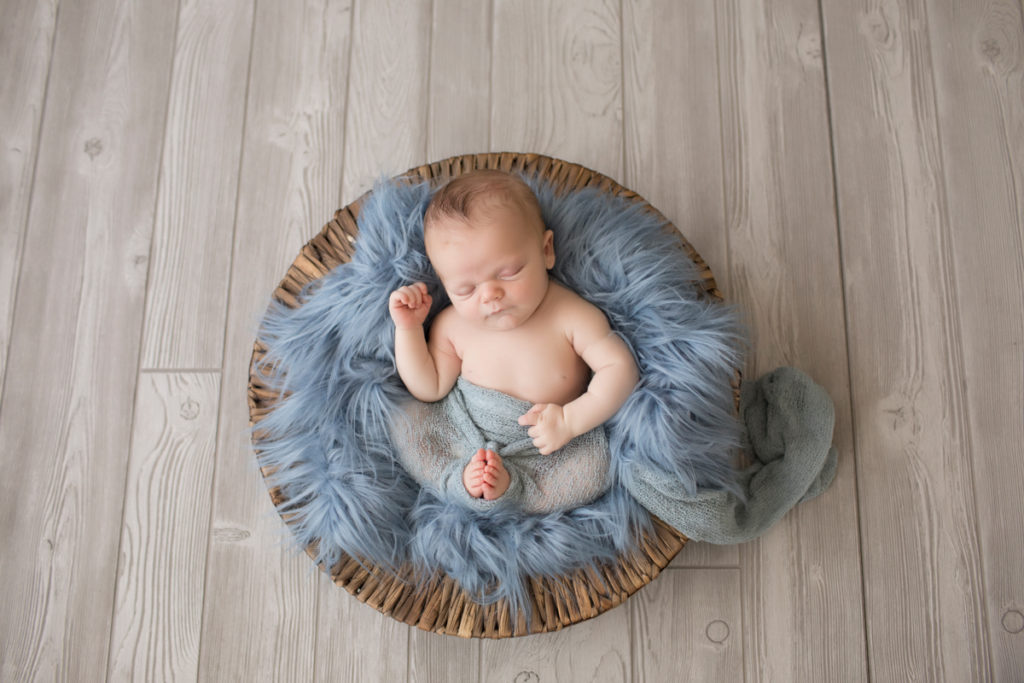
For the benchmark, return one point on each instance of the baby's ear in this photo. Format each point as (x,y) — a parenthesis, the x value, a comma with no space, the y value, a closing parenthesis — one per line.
(549,249)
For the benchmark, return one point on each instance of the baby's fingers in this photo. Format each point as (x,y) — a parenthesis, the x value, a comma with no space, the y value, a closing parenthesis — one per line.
(412,296)
(543,444)
(532,416)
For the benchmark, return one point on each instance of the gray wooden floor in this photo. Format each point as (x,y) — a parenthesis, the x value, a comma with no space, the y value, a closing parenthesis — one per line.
(852,171)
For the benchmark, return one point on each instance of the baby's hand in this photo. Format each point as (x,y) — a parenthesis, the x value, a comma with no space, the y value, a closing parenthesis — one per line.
(549,429)
(409,305)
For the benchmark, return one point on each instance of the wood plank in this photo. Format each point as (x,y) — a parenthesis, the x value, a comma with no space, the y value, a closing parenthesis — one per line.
(68,394)
(688,626)
(187,291)
(556,81)
(673,121)
(674,146)
(594,650)
(801,581)
(460,79)
(433,657)
(922,559)
(355,642)
(386,125)
(26,45)
(159,599)
(260,613)
(978,60)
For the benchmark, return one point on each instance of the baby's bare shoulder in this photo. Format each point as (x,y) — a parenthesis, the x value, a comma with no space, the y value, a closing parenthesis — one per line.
(445,326)
(583,322)
(576,309)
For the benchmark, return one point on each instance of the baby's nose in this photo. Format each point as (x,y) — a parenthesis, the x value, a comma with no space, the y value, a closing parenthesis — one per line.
(492,292)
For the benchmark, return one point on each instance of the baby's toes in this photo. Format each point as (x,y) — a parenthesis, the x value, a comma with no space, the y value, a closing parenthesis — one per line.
(472,479)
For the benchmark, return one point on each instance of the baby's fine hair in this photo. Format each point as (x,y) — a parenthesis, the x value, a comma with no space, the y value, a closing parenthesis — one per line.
(460,196)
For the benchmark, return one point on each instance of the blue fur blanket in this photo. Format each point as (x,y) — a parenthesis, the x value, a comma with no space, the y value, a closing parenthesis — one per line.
(328,440)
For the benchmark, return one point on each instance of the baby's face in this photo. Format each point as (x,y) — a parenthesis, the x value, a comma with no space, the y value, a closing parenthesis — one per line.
(493,266)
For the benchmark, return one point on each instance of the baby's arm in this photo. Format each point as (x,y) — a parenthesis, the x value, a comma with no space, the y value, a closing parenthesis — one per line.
(429,370)
(615,377)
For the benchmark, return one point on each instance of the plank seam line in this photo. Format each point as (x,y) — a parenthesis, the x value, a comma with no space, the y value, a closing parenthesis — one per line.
(954,359)
(624,173)
(224,341)
(490,99)
(341,202)
(846,332)
(429,103)
(23,238)
(721,156)
(728,265)
(142,334)
(622,94)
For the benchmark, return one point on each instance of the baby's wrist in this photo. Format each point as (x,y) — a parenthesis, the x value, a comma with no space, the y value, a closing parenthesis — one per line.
(571,420)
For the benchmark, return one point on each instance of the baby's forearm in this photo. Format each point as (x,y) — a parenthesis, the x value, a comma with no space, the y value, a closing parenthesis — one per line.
(415,364)
(609,388)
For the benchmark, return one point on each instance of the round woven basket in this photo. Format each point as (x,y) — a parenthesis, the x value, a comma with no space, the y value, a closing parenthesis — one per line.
(442,606)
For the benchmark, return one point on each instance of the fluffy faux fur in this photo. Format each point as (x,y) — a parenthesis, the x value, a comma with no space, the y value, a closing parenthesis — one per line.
(334,357)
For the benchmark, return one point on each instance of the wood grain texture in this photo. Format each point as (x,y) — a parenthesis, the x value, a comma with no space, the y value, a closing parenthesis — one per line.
(977,52)
(594,650)
(556,81)
(387,94)
(434,657)
(159,599)
(289,187)
(187,292)
(460,79)
(355,642)
(26,45)
(673,146)
(925,614)
(673,122)
(688,626)
(801,580)
(67,402)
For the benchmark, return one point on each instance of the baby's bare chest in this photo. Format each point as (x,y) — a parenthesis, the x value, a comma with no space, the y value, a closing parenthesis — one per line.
(538,367)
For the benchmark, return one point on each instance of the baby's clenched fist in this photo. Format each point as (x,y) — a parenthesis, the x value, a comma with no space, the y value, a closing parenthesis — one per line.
(409,305)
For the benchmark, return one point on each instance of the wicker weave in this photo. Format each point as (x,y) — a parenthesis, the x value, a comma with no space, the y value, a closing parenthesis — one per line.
(443,607)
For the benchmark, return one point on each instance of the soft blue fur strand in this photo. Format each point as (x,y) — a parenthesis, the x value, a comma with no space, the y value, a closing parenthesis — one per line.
(328,440)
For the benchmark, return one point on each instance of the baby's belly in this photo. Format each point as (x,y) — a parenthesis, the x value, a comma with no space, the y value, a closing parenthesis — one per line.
(539,380)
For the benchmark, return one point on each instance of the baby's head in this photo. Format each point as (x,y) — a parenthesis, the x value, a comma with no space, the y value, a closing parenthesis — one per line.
(487,241)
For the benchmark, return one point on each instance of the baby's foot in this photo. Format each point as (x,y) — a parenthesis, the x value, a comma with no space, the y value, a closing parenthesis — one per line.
(496,477)
(485,476)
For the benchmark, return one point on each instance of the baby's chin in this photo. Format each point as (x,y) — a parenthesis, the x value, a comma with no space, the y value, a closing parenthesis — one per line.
(506,320)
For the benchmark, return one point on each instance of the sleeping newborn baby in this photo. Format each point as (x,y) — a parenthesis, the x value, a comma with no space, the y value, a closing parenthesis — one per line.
(527,369)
